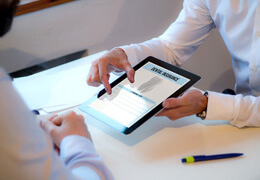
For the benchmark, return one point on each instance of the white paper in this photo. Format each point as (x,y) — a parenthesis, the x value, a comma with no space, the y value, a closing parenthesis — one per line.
(62,88)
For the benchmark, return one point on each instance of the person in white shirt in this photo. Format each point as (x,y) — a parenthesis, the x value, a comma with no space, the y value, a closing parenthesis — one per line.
(238,22)
(27,150)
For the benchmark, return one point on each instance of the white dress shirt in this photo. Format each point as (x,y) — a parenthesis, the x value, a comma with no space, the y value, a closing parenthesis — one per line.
(27,153)
(238,22)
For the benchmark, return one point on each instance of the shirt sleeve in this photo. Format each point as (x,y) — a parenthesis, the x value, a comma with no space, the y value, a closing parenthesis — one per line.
(79,155)
(25,150)
(240,111)
(180,40)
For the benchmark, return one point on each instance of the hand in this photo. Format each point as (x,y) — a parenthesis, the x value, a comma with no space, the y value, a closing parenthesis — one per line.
(191,102)
(60,126)
(116,59)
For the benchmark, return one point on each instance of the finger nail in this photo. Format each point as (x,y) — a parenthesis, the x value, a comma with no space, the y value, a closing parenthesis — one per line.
(132,80)
(108,91)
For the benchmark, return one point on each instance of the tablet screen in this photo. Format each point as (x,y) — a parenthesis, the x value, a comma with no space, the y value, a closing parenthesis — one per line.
(130,102)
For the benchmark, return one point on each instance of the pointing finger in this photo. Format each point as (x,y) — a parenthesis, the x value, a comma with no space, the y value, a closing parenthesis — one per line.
(103,74)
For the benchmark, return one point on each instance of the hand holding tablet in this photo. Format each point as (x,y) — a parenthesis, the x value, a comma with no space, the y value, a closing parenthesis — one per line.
(131,104)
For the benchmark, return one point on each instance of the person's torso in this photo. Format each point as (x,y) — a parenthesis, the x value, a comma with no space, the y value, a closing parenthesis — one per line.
(238,22)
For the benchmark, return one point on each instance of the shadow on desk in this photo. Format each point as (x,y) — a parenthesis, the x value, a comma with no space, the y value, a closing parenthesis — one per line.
(149,128)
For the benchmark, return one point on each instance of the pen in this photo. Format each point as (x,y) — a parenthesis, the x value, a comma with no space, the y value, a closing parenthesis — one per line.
(191,159)
(36,112)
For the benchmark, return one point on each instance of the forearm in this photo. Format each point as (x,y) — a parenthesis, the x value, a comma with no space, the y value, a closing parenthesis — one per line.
(238,110)
(154,47)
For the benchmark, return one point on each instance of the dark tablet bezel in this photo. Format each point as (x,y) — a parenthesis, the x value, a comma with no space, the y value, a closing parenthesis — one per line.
(127,130)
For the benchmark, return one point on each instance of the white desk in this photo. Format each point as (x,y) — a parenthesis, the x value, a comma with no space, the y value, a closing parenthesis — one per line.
(155,149)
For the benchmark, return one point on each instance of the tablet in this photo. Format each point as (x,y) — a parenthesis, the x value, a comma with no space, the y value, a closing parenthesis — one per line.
(131,104)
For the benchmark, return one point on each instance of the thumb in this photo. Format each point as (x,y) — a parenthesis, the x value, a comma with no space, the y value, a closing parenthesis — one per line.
(57,121)
(172,103)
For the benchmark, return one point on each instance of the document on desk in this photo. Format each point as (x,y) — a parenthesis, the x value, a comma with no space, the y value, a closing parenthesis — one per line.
(57,90)
(62,88)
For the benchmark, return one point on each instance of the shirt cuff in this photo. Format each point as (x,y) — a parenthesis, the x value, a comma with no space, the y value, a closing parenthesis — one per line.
(74,144)
(220,106)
